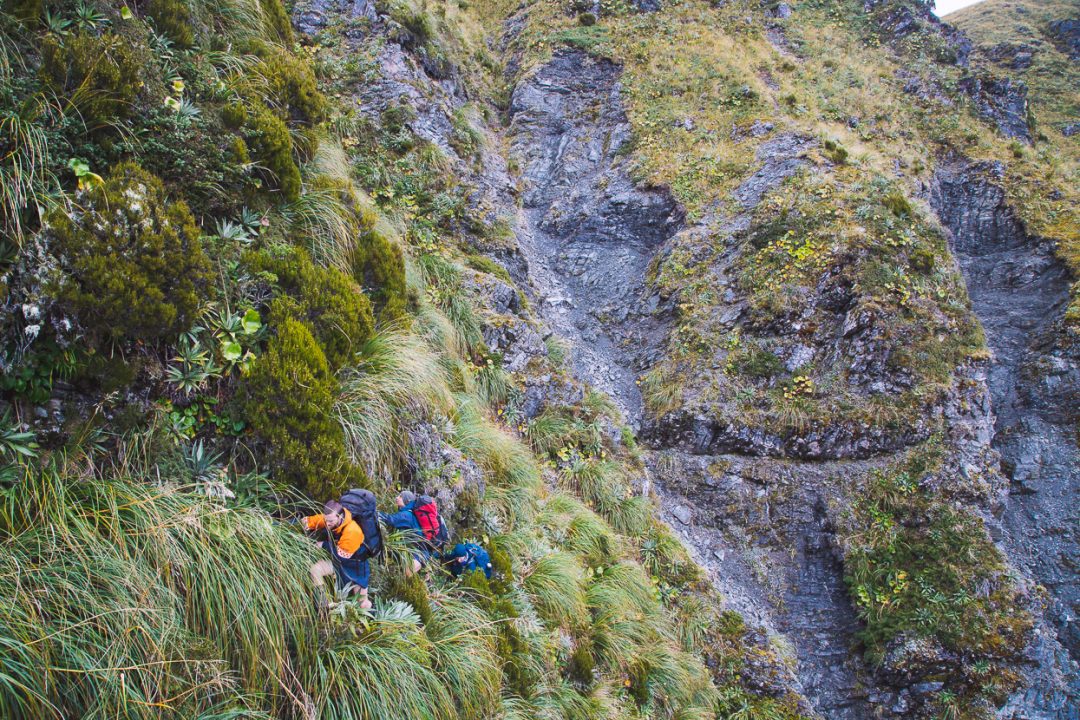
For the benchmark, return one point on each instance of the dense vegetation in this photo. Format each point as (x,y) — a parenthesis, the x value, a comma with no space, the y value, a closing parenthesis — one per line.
(924,572)
(232,297)
(230,289)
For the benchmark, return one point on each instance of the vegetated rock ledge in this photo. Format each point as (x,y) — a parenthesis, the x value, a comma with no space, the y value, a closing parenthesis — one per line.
(1019,290)
(701,434)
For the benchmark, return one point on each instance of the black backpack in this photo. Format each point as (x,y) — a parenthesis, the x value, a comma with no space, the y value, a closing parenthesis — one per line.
(361,503)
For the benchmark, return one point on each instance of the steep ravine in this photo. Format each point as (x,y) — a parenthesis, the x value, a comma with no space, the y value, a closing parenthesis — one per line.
(1019,290)
(761,526)
(587,234)
(586,231)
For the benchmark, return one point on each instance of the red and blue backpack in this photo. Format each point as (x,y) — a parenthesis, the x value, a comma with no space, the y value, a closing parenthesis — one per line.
(431,525)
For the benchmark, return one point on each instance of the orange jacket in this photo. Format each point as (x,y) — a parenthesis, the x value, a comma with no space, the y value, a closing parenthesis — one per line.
(348,534)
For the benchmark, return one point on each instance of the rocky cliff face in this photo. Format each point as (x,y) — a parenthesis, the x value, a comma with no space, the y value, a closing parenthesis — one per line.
(770,503)
(1020,290)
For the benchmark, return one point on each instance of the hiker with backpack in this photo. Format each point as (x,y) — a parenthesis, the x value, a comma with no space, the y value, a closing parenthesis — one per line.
(352,539)
(419,519)
(434,529)
(467,557)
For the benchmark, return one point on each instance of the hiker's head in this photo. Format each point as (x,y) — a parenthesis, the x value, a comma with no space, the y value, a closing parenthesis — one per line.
(406,497)
(334,514)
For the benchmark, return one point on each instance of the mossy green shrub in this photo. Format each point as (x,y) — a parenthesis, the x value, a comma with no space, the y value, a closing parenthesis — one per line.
(281,91)
(99,76)
(288,401)
(493,596)
(325,299)
(25,11)
(268,138)
(132,264)
(288,83)
(379,266)
(276,23)
(413,590)
(173,18)
(919,568)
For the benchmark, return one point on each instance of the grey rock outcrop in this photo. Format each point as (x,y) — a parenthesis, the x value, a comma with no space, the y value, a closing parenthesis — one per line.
(587,231)
(1001,102)
(1066,34)
(1019,290)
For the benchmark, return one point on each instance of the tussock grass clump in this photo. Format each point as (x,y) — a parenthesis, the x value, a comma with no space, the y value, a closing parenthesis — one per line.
(555,584)
(116,601)
(397,376)
(499,452)
(577,528)
(602,484)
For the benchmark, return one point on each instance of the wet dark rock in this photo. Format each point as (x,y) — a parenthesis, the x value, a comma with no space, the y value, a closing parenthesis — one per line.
(312,16)
(1000,101)
(701,432)
(437,468)
(1066,34)
(1019,290)
(546,391)
(762,530)
(516,340)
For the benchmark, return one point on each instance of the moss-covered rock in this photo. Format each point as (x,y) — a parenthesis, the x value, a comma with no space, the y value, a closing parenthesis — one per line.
(132,265)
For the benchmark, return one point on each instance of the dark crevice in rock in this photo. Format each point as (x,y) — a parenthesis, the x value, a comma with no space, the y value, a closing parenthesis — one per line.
(1019,290)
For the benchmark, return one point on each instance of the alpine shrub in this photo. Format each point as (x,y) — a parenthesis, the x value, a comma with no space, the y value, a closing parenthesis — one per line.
(276,22)
(268,137)
(325,299)
(290,85)
(98,75)
(379,266)
(173,18)
(25,11)
(132,265)
(288,400)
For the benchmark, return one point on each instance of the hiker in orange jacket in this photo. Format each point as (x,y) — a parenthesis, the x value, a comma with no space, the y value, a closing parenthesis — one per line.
(343,539)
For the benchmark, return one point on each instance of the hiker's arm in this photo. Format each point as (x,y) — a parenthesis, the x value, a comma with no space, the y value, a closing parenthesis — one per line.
(350,541)
(315,522)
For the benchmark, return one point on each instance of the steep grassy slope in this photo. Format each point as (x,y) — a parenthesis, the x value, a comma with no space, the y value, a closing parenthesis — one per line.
(231,288)
(246,265)
(818,310)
